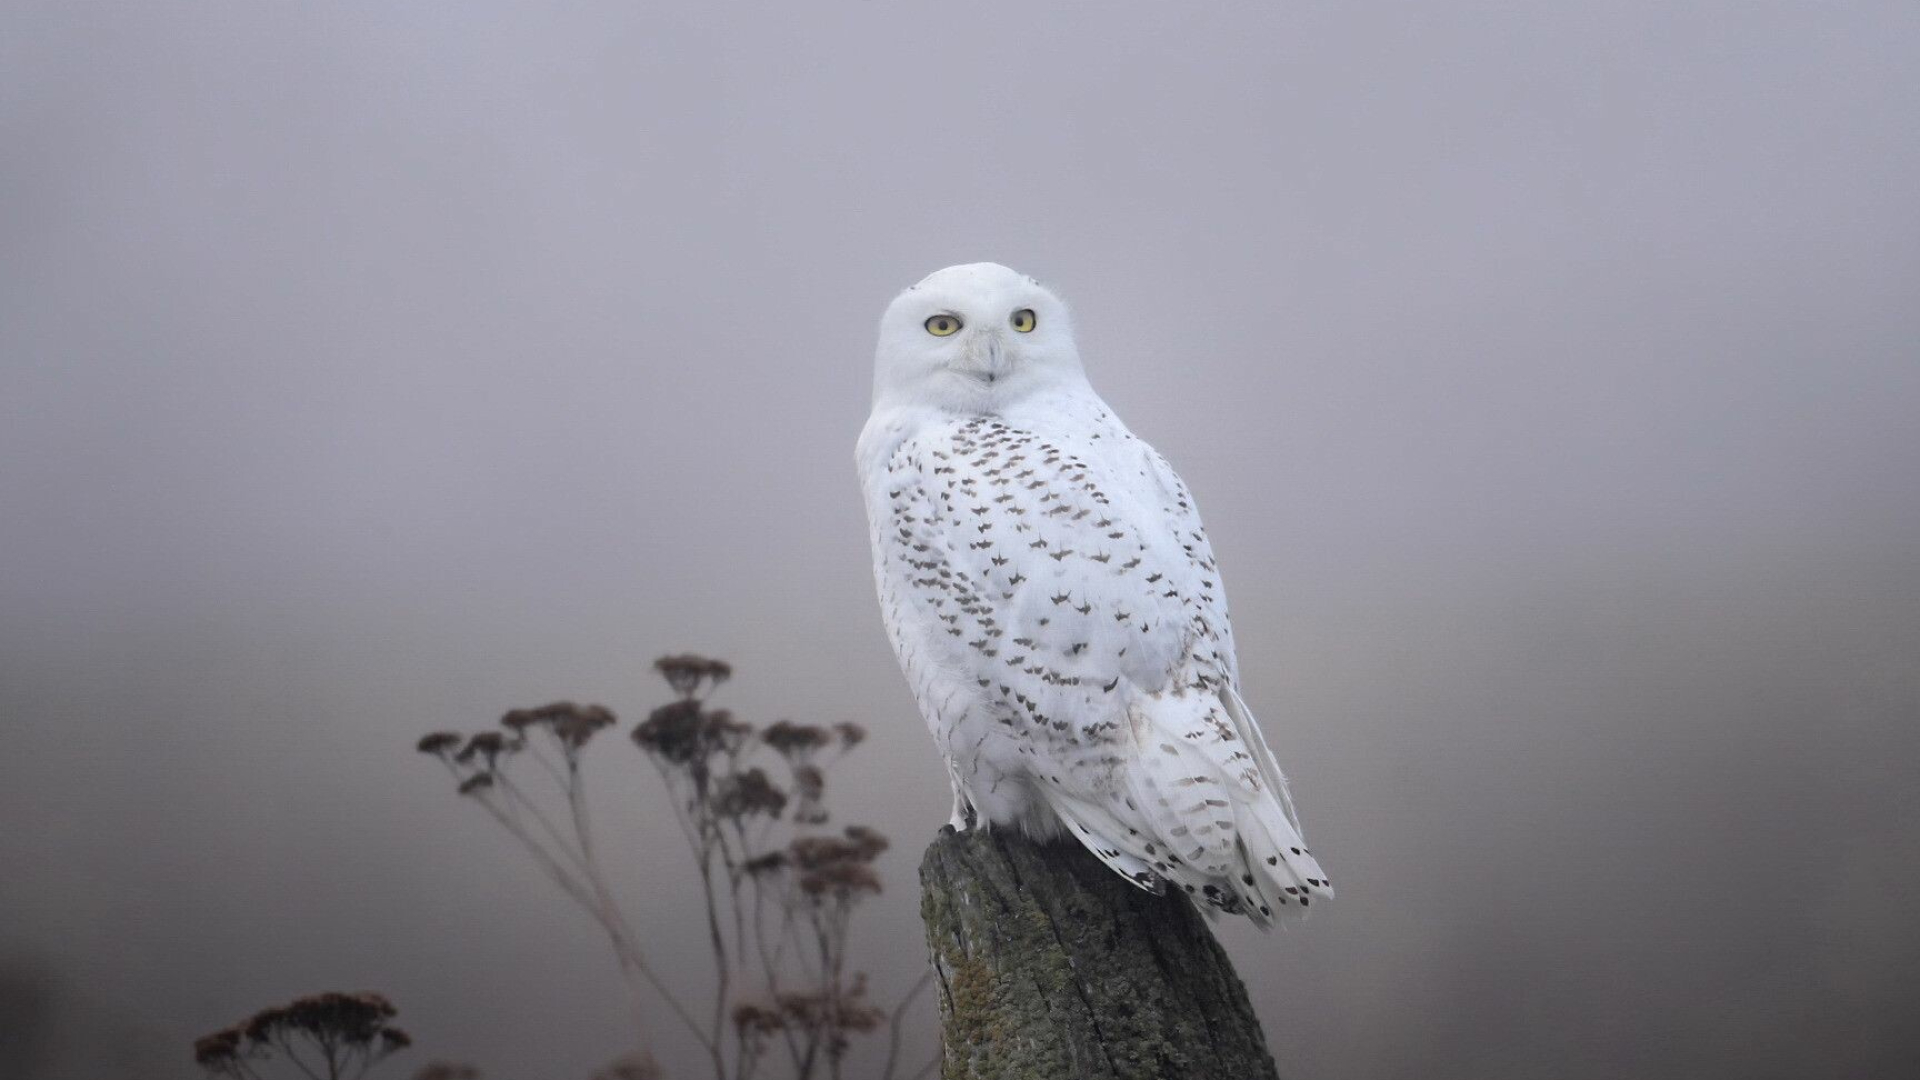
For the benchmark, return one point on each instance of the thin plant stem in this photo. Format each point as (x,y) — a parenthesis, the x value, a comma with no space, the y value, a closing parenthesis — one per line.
(519,797)
(631,962)
(285,1043)
(893,1022)
(705,762)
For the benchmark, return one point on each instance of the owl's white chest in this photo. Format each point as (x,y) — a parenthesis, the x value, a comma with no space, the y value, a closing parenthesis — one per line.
(1036,574)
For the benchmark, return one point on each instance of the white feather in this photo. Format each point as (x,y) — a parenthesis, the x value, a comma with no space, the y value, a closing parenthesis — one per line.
(1050,591)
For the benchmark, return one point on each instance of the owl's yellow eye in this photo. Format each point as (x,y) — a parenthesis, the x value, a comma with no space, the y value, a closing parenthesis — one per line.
(1023,320)
(943,325)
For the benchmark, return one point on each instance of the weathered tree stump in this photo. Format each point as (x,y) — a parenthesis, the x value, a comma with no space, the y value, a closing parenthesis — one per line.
(1050,967)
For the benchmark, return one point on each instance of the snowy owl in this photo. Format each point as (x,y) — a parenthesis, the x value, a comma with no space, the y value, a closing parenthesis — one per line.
(1054,603)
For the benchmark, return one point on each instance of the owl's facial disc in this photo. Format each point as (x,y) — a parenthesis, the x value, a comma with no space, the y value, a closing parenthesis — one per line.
(974,338)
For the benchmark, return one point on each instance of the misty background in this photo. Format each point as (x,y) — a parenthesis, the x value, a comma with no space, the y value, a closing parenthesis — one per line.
(1549,377)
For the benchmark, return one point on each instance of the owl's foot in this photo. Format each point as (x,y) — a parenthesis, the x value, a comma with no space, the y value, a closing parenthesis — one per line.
(964,818)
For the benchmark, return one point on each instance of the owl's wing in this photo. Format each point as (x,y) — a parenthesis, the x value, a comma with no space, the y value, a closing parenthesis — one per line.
(1068,579)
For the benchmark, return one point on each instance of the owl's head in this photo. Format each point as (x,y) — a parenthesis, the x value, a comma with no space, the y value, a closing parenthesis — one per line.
(974,339)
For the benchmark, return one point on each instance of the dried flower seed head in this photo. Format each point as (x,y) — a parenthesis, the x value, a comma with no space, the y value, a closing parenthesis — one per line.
(855,1014)
(753,1018)
(220,1052)
(729,735)
(356,1019)
(687,673)
(440,743)
(841,881)
(807,1009)
(811,853)
(843,1012)
(809,789)
(334,1023)
(686,735)
(475,783)
(488,746)
(851,734)
(261,1025)
(867,843)
(571,724)
(744,795)
(674,733)
(794,741)
(771,863)
(835,868)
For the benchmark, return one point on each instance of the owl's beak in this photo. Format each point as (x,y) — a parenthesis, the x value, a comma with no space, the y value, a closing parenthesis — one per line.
(986,356)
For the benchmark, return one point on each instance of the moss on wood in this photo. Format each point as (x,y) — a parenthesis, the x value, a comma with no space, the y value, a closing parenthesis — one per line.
(1051,967)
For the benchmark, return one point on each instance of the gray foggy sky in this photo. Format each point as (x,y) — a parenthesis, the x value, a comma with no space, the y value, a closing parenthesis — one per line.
(1548,376)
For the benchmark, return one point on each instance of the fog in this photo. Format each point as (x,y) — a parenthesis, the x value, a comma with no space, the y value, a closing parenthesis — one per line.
(1548,376)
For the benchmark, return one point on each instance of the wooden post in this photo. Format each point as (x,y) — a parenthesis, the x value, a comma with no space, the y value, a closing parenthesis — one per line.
(1051,967)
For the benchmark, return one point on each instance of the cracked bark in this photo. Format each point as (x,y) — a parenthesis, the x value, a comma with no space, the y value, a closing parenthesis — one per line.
(1051,967)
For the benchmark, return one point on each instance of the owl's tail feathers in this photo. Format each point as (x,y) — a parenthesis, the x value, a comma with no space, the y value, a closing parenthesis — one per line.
(1284,867)
(1201,804)
(1122,848)
(1211,809)
(1276,868)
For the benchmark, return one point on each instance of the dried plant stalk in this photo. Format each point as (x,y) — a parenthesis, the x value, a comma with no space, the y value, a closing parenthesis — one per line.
(779,890)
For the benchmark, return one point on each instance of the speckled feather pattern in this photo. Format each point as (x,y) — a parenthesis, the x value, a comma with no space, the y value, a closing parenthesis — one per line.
(1056,607)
